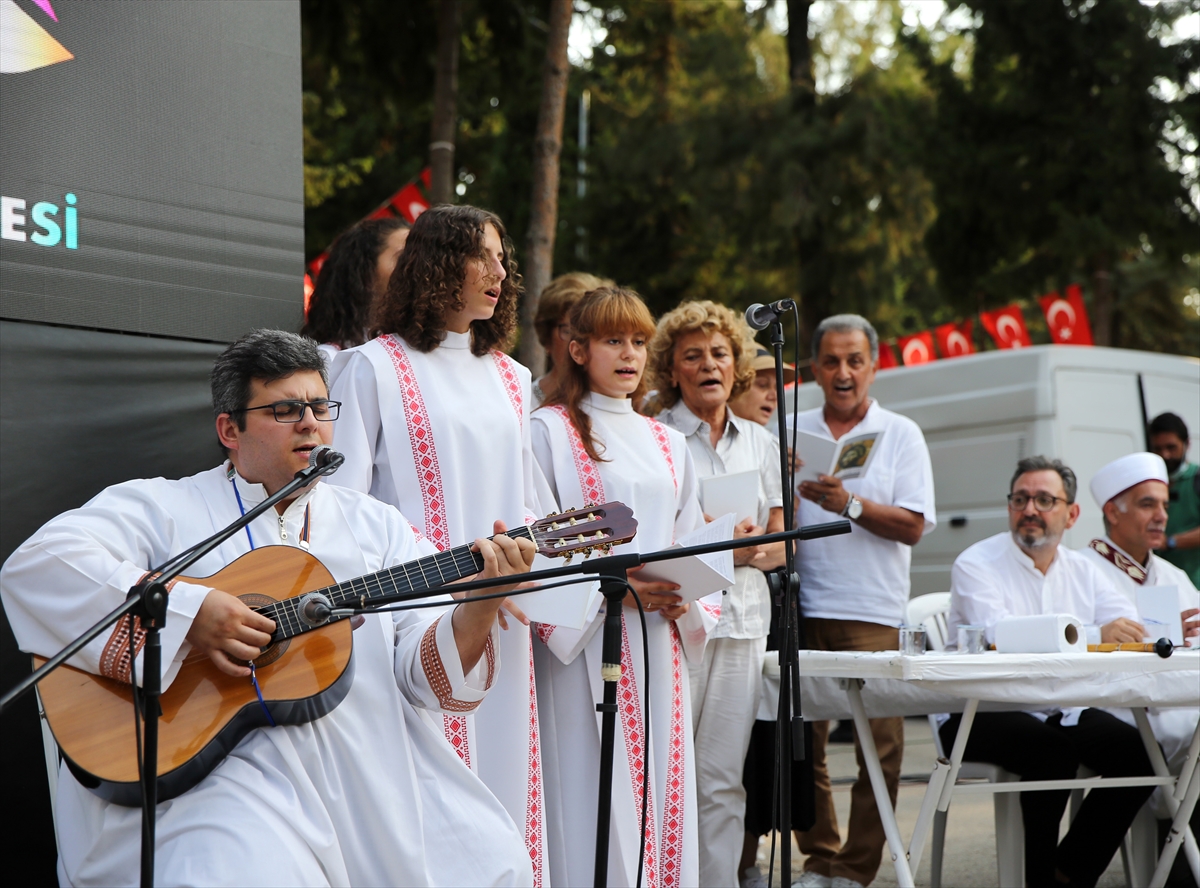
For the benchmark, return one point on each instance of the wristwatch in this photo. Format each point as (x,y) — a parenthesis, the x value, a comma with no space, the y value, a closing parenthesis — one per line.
(854,507)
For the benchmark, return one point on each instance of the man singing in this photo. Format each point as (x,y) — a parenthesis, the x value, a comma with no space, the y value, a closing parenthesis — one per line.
(367,794)
(1026,572)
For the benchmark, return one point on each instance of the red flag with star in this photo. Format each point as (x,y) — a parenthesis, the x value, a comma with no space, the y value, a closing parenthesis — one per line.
(917,349)
(1067,318)
(954,340)
(1007,327)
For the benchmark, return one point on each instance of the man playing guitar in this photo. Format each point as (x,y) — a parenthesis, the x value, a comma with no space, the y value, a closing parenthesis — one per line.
(368,793)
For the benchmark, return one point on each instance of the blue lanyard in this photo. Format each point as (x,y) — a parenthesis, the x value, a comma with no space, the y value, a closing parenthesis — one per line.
(243,510)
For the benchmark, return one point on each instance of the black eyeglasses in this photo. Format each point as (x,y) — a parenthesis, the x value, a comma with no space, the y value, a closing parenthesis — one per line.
(1043,502)
(293,411)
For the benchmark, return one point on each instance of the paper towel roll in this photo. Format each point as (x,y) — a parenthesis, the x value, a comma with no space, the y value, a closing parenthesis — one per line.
(1041,634)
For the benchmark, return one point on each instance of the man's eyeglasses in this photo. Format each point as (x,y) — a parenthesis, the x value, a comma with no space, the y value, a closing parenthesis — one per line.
(1043,502)
(293,411)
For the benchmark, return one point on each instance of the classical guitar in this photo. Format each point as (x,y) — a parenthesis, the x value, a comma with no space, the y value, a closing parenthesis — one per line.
(304,673)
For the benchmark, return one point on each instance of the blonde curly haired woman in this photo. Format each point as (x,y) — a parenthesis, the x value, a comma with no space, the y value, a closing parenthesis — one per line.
(701,356)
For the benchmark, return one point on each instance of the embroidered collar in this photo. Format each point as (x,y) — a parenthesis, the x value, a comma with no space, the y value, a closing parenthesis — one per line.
(1110,553)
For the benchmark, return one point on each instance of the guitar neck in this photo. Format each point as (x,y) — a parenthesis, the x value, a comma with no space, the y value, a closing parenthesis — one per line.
(412,576)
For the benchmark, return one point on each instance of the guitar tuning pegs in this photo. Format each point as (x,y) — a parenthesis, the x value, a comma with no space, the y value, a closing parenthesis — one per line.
(570,555)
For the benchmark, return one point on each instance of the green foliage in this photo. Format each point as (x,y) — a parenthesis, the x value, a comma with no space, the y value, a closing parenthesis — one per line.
(935,175)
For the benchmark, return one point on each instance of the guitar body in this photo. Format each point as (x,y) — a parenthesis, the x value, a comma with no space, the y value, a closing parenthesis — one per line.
(205,713)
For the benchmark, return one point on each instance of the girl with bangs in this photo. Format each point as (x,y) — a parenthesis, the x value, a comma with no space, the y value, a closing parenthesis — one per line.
(435,421)
(593,447)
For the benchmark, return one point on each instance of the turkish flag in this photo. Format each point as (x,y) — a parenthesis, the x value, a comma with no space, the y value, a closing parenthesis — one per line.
(409,202)
(1067,318)
(1007,327)
(954,340)
(887,357)
(917,349)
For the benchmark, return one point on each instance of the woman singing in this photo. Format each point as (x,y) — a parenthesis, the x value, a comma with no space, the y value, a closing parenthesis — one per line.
(593,447)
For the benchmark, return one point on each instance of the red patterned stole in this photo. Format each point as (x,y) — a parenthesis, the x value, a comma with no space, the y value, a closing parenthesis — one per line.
(1120,560)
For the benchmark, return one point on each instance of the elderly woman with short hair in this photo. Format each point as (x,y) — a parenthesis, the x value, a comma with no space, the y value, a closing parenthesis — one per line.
(702,354)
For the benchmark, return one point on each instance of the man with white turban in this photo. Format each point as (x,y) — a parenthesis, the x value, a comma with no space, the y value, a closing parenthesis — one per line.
(1132,494)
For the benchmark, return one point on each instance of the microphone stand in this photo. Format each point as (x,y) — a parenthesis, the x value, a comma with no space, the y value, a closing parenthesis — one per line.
(148,601)
(784,584)
(612,572)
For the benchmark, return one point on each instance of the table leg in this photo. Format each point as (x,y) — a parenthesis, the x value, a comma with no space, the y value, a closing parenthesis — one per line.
(1179,827)
(956,754)
(1159,764)
(933,794)
(883,801)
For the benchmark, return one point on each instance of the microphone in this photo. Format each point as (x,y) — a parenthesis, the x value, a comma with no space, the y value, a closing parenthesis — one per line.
(759,316)
(323,456)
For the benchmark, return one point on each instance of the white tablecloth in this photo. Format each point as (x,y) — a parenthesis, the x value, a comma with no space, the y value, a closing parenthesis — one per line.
(896,684)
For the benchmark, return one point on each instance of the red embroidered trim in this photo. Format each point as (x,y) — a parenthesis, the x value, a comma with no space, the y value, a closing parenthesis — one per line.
(420,437)
(713,610)
(417,535)
(1127,566)
(455,727)
(435,673)
(672,852)
(635,749)
(664,444)
(507,368)
(544,631)
(533,796)
(585,467)
(116,659)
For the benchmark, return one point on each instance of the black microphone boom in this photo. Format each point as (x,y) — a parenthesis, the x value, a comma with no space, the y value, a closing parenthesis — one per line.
(760,316)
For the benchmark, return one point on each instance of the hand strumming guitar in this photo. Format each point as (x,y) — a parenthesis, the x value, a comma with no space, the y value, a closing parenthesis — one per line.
(227,630)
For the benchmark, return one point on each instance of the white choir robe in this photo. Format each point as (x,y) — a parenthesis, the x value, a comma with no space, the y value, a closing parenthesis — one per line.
(664,497)
(1172,727)
(444,437)
(366,795)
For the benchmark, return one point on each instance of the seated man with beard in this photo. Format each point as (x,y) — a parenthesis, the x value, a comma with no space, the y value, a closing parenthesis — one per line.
(1027,572)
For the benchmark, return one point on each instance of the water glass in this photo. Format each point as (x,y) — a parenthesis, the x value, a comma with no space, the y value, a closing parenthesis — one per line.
(971,640)
(912,640)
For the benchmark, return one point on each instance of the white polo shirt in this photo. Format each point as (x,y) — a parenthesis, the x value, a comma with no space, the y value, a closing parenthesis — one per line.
(994,579)
(861,576)
(744,446)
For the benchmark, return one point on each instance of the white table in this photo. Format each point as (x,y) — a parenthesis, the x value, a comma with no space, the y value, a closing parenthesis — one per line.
(887,683)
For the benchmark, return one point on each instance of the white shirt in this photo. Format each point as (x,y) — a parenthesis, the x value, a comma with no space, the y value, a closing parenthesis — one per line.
(861,576)
(744,446)
(367,794)
(994,579)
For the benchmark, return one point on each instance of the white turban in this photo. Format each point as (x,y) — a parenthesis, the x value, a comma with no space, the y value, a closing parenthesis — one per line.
(1122,474)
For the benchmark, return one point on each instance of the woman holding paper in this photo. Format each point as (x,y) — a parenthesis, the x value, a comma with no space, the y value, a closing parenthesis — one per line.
(592,447)
(702,355)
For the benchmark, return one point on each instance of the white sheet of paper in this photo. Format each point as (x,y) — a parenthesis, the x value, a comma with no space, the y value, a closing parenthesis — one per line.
(697,575)
(566,606)
(1158,608)
(736,493)
(817,453)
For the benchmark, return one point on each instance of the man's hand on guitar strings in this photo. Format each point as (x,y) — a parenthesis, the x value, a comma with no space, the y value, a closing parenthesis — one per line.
(227,630)
(473,620)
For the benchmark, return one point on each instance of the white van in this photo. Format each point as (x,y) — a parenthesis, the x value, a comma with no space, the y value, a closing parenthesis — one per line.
(981,413)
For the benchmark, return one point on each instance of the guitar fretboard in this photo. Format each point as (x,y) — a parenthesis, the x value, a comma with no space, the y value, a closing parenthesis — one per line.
(412,576)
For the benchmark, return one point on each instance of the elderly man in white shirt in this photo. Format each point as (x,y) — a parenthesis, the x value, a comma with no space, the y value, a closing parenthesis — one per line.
(854,588)
(1027,572)
(701,354)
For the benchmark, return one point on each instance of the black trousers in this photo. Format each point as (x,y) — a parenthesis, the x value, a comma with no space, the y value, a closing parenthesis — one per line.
(1037,750)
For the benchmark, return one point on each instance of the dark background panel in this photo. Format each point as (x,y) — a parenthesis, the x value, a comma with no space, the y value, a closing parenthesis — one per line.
(177,126)
(79,410)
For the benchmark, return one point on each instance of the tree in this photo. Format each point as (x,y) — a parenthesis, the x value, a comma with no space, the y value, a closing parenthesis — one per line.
(1050,158)
(445,104)
(547,148)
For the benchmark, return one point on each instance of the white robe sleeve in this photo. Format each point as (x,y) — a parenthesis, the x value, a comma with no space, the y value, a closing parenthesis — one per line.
(356,433)
(701,619)
(79,567)
(427,665)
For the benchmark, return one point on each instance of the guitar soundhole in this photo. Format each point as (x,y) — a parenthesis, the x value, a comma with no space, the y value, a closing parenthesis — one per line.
(275,651)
